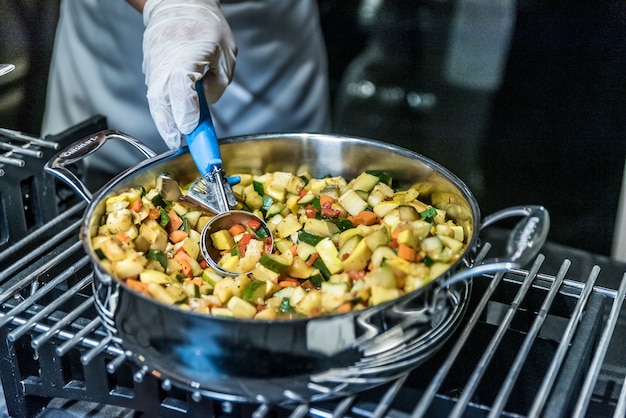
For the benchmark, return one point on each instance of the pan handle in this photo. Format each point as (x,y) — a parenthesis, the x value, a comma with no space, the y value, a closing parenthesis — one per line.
(524,243)
(57,166)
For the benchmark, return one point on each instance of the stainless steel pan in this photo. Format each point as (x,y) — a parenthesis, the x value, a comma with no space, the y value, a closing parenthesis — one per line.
(304,359)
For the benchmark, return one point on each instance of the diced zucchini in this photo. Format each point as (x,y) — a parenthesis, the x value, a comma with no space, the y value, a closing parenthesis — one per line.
(383,294)
(130,266)
(407,237)
(437,269)
(384,207)
(377,238)
(154,276)
(381,254)
(408,213)
(158,292)
(222,240)
(274,262)
(358,258)
(305,250)
(224,289)
(330,190)
(263,273)
(431,245)
(348,247)
(268,313)
(225,312)
(211,276)
(191,247)
(451,243)
(288,226)
(381,276)
(380,193)
(333,295)
(240,308)
(352,202)
(329,255)
(365,182)
(299,269)
(320,227)
(154,234)
(310,303)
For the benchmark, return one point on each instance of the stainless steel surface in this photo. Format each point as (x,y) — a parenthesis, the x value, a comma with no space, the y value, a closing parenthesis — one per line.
(225,221)
(6,68)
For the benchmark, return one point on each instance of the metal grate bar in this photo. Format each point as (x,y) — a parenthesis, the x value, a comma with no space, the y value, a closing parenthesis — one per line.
(66,320)
(43,291)
(620,409)
(8,293)
(53,306)
(511,378)
(422,407)
(596,364)
(67,346)
(35,234)
(559,357)
(479,371)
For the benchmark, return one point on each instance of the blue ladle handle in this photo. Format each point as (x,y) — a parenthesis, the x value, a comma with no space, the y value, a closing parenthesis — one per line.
(202,141)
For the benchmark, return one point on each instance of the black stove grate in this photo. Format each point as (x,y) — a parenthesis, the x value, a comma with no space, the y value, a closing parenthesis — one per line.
(27,193)
(530,344)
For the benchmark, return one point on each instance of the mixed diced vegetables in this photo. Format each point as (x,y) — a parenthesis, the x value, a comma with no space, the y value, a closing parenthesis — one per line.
(339,245)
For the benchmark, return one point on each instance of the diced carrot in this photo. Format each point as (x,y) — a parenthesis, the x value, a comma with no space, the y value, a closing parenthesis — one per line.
(181,255)
(365,217)
(405,252)
(196,280)
(178,235)
(395,233)
(154,213)
(136,205)
(312,259)
(236,229)
(184,263)
(294,249)
(289,282)
(123,237)
(268,245)
(204,264)
(254,224)
(369,218)
(326,200)
(310,211)
(302,192)
(344,307)
(393,243)
(175,221)
(243,244)
(137,286)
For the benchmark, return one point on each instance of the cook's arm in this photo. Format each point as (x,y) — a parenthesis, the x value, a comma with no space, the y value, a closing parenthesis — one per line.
(137,4)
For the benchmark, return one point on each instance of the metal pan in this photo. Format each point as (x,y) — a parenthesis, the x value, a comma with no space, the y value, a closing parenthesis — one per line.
(303,359)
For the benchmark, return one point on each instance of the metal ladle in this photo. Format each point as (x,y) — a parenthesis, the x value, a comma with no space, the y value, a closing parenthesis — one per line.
(213,189)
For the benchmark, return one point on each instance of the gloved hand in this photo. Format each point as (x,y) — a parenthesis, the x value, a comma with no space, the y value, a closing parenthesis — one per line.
(183,41)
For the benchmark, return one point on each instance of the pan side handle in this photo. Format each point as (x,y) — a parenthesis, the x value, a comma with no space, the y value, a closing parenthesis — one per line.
(58,165)
(524,243)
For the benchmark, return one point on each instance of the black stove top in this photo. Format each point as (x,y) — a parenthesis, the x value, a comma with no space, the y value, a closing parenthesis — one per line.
(533,342)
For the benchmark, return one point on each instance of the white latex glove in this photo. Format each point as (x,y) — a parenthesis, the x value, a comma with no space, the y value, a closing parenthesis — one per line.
(183,41)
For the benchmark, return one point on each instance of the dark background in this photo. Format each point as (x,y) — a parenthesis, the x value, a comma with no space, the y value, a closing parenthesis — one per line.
(552,133)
